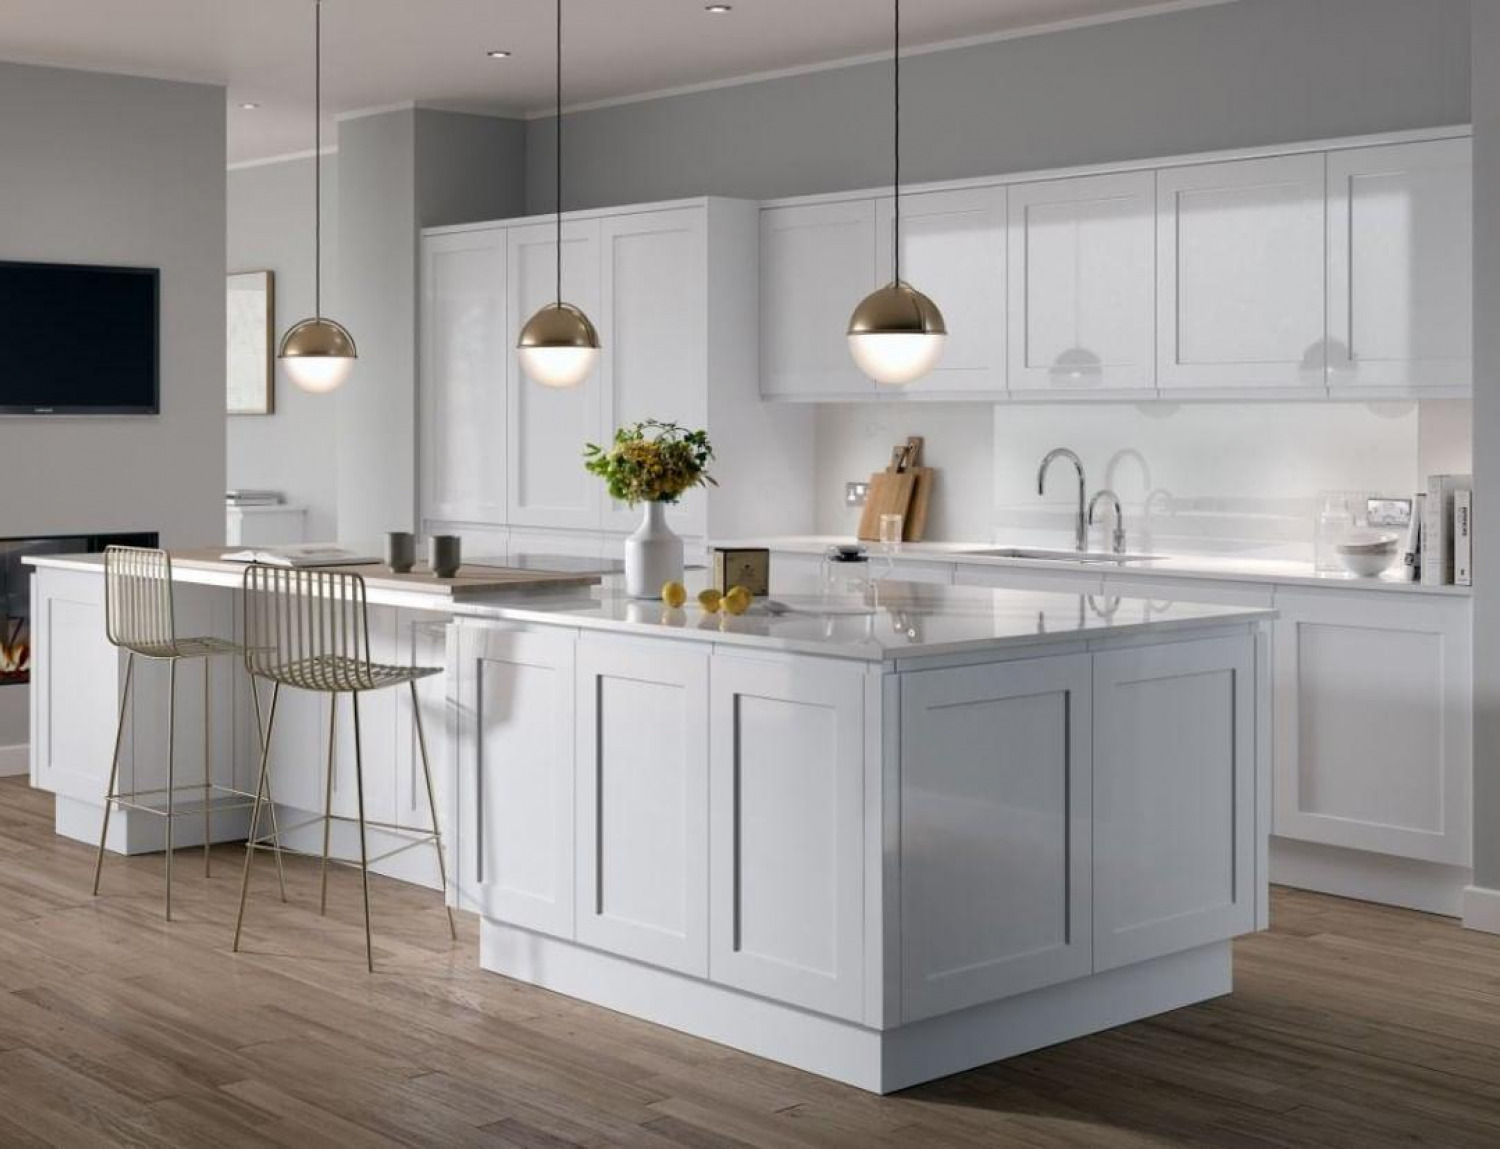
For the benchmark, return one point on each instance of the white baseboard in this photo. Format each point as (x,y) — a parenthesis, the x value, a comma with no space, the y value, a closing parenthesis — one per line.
(879,1061)
(1366,877)
(15,760)
(1482,909)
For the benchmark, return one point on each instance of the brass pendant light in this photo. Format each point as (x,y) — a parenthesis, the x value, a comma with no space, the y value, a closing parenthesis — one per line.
(896,334)
(319,353)
(559,345)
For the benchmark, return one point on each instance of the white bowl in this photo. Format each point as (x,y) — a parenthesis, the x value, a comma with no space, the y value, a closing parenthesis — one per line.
(1366,564)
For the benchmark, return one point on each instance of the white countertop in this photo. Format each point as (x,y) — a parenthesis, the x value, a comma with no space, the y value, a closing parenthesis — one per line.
(1220,568)
(908,620)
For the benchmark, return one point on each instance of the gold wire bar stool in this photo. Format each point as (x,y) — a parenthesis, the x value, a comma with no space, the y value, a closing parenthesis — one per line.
(310,629)
(139,619)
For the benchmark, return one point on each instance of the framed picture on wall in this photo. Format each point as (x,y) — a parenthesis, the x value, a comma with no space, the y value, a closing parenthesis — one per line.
(251,368)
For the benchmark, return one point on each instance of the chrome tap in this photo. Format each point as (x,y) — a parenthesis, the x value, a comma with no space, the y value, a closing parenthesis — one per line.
(1119,536)
(1080,528)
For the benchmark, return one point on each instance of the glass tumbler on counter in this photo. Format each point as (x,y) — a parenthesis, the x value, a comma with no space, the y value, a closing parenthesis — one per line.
(1333,524)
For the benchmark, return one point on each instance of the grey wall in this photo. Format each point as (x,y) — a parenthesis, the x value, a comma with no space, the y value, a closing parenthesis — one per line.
(109,169)
(400,171)
(1486,47)
(271,228)
(1243,74)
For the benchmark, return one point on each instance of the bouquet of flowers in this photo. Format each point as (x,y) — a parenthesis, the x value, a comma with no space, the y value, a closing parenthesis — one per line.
(652,462)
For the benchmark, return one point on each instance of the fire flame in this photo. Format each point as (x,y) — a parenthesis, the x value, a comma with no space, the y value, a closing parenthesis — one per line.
(15,658)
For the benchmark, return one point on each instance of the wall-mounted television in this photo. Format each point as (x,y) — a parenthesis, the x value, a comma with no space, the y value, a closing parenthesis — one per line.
(79,340)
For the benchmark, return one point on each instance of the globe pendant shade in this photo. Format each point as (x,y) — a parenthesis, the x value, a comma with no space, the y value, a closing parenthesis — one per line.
(318,355)
(558,346)
(896,335)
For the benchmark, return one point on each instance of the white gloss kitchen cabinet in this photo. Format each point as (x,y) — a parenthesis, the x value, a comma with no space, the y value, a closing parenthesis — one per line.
(672,289)
(1329,270)
(795,852)
(1082,281)
(1373,714)
(1240,276)
(1400,258)
(953,247)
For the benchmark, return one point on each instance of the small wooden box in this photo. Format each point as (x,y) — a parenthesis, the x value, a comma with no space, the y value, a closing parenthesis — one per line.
(749,567)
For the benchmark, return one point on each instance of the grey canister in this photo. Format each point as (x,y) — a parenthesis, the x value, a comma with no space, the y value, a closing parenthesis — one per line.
(400,551)
(444,555)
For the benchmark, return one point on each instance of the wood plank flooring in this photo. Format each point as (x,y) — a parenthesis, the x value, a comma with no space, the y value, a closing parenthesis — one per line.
(1351,1025)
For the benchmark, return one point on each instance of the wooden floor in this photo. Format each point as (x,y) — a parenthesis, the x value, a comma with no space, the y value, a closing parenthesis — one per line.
(1351,1025)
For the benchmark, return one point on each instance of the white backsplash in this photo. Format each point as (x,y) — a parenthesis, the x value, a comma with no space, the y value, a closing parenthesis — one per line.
(1194,478)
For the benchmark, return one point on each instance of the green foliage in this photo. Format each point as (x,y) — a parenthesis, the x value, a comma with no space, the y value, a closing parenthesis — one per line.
(652,462)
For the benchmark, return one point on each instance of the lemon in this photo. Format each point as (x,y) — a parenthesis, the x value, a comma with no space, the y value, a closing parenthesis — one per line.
(738,600)
(710,600)
(673,593)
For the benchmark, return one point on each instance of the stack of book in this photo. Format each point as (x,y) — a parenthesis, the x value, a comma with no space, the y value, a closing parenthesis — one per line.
(250,498)
(1441,543)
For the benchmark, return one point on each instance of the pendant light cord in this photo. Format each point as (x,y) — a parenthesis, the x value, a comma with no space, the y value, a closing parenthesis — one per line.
(318,160)
(558,204)
(897,200)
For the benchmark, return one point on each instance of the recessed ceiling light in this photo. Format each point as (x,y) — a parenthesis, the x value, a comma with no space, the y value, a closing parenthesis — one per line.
(718,9)
(498,54)
(248,106)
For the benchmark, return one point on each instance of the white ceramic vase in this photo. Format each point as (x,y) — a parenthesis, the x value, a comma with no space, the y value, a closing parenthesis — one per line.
(653,555)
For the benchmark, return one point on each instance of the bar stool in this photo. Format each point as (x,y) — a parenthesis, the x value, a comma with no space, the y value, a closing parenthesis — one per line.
(138,618)
(310,629)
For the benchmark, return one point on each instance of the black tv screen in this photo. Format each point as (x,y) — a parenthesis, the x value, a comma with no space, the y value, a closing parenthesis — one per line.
(78,340)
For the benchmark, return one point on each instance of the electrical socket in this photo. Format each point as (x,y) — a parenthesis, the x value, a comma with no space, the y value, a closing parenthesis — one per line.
(854,494)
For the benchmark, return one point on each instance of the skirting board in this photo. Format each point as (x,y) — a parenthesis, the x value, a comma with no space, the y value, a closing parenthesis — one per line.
(881,1062)
(1482,909)
(1366,877)
(15,760)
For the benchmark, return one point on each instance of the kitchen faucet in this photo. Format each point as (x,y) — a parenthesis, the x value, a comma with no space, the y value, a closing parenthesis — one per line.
(1119,536)
(1080,527)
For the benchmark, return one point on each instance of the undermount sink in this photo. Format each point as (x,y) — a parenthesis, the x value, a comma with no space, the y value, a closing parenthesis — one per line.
(1061,556)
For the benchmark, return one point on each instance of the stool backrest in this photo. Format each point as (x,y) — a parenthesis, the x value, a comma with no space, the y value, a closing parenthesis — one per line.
(138,600)
(307,628)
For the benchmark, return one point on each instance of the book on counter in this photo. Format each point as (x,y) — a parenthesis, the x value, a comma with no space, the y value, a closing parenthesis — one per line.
(1437,528)
(300,556)
(1463,538)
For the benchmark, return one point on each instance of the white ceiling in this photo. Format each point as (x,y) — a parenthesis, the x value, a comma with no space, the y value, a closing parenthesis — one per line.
(383,52)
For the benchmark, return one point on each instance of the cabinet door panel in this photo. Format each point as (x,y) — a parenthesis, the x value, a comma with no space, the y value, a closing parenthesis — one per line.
(643,803)
(817,263)
(995,780)
(1240,270)
(1400,258)
(547,485)
(1082,284)
(953,250)
(1374,704)
(654,324)
(465,346)
(1174,798)
(786,830)
(516,777)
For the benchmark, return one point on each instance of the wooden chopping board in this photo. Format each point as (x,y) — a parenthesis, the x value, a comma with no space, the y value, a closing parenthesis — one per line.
(890,493)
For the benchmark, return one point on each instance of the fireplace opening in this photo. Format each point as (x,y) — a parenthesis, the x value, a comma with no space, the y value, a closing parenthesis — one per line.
(15,590)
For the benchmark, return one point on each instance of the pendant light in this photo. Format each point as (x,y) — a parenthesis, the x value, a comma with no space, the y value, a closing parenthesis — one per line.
(559,345)
(896,334)
(319,353)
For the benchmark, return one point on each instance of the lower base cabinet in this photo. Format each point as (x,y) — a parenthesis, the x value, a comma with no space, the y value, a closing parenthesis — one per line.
(1373,717)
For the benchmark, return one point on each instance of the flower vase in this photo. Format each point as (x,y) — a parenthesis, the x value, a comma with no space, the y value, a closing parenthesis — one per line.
(653,555)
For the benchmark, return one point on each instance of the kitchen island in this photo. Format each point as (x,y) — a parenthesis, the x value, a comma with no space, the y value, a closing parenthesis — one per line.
(881,838)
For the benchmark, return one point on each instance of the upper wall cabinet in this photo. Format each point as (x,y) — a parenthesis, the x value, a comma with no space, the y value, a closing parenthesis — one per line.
(953,250)
(817,263)
(548,426)
(1082,285)
(654,326)
(464,356)
(1240,266)
(1400,258)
